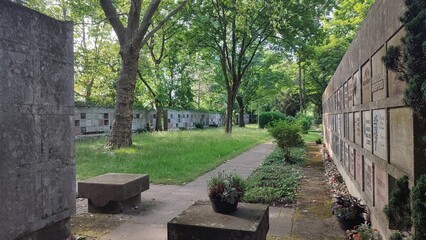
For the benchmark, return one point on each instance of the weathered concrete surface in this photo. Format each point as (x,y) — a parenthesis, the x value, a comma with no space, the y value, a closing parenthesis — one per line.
(113,192)
(249,222)
(37,174)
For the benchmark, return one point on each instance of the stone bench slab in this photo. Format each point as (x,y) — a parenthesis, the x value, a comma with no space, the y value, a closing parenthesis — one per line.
(249,222)
(113,192)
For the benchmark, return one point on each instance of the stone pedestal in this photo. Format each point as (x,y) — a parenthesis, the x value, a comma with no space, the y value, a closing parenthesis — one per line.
(249,222)
(113,192)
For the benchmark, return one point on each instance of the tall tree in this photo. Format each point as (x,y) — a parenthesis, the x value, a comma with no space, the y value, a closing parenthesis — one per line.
(133,32)
(235,30)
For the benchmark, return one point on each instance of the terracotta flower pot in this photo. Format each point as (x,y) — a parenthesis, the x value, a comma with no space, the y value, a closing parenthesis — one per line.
(222,206)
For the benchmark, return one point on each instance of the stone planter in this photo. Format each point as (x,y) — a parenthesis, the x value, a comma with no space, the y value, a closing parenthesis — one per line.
(223,207)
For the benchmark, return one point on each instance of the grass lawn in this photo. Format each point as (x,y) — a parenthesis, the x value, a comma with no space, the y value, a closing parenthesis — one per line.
(312,136)
(168,157)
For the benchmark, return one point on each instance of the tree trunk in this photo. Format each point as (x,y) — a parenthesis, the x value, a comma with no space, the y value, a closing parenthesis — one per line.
(121,133)
(158,119)
(229,109)
(241,122)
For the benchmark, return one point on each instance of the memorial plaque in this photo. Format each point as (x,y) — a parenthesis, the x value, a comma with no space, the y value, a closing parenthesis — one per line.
(366,82)
(351,161)
(338,124)
(346,125)
(345,96)
(357,88)
(342,150)
(401,137)
(378,80)
(358,128)
(346,155)
(342,126)
(350,92)
(368,177)
(380,188)
(366,130)
(396,86)
(358,168)
(351,126)
(379,134)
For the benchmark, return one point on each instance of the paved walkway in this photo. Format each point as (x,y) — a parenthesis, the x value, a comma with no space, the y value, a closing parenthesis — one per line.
(161,203)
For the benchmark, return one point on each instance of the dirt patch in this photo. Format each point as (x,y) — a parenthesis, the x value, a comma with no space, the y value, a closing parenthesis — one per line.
(313,218)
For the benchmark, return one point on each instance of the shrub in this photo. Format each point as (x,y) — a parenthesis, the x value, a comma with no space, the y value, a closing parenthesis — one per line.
(419,208)
(318,141)
(398,210)
(287,136)
(268,118)
(397,236)
(199,125)
(304,122)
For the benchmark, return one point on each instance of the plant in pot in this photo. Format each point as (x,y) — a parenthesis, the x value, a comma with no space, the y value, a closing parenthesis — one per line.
(225,190)
(349,211)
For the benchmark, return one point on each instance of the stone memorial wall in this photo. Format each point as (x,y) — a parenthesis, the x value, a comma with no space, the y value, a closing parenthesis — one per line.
(365,101)
(37,168)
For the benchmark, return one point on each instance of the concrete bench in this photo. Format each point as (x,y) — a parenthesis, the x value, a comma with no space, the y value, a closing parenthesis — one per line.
(249,222)
(113,192)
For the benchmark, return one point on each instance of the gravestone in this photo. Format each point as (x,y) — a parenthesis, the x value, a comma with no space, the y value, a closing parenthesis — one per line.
(366,82)
(401,138)
(37,168)
(357,88)
(378,70)
(366,130)
(358,128)
(380,188)
(351,161)
(351,127)
(351,92)
(368,177)
(358,168)
(380,134)
(396,86)
(346,96)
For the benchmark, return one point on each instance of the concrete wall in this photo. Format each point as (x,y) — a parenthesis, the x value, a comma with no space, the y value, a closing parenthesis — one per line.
(368,130)
(37,168)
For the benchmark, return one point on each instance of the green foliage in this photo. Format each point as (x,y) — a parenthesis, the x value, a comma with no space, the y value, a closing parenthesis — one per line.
(275,181)
(398,210)
(269,118)
(287,135)
(365,232)
(397,236)
(318,141)
(348,208)
(199,125)
(227,187)
(304,122)
(168,157)
(419,208)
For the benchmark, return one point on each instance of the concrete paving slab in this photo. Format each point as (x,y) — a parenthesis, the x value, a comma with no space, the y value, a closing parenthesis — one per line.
(280,221)
(161,203)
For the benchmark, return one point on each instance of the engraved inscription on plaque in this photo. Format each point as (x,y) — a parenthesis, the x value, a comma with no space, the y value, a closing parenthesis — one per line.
(380,188)
(351,126)
(379,133)
(378,70)
(366,132)
(358,128)
(358,168)
(368,177)
(366,82)
(357,88)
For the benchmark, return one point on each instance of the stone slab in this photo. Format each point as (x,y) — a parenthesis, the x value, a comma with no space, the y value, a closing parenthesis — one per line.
(366,131)
(357,88)
(113,187)
(368,177)
(396,86)
(358,128)
(381,188)
(358,168)
(249,222)
(380,142)
(366,82)
(379,80)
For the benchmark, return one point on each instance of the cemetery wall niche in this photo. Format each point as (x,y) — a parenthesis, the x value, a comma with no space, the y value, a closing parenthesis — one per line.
(379,132)
(37,166)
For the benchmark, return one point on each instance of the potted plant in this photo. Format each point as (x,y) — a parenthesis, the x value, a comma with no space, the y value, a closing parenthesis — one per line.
(225,190)
(349,211)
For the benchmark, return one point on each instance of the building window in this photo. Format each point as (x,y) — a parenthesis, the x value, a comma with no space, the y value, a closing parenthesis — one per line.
(77,123)
(177,125)
(83,129)
(186,124)
(106,122)
(178,119)
(138,115)
(153,116)
(169,120)
(83,115)
(106,115)
(171,115)
(187,115)
(178,115)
